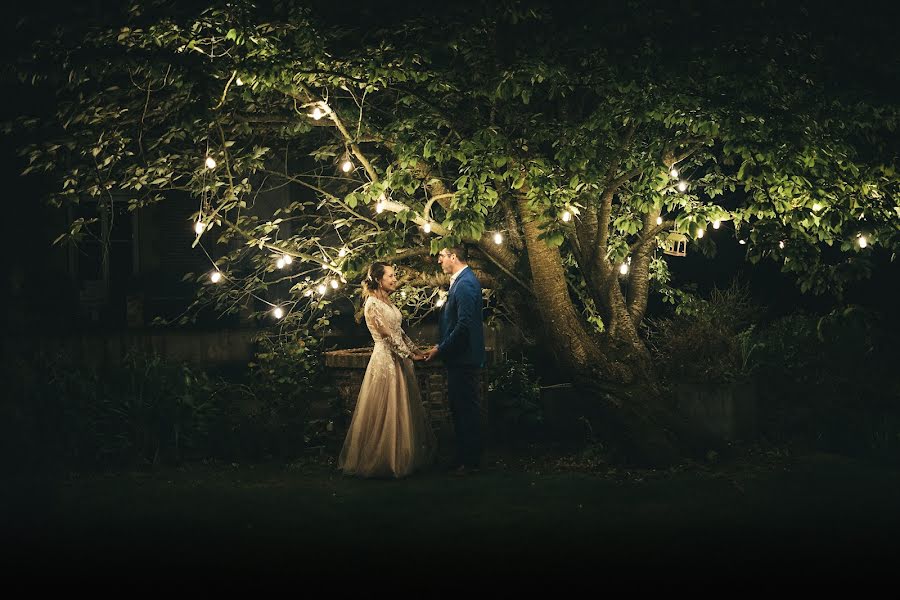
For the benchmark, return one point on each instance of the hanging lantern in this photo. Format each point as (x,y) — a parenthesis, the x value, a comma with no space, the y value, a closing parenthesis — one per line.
(676,244)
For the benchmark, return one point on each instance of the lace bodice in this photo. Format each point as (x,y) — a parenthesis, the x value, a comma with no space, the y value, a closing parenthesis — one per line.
(384,323)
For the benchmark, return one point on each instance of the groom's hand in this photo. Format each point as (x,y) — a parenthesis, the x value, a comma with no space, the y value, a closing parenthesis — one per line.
(431,354)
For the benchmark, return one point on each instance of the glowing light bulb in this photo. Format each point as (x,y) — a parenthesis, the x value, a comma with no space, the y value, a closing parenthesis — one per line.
(498,238)
(239,81)
(659,220)
(215,277)
(673,172)
(623,269)
(781,244)
(379,208)
(317,113)
(742,242)
(439,303)
(278,312)
(210,162)
(321,289)
(280,263)
(426,227)
(346,166)
(682,185)
(716,224)
(817,207)
(566,216)
(199,227)
(288,259)
(863,242)
(334,284)
(403,294)
(700,232)
(342,252)
(307,293)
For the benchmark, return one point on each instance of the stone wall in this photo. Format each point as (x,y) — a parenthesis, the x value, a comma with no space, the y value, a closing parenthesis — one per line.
(347,368)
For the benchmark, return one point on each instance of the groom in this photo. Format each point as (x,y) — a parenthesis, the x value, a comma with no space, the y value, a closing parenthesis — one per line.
(461,347)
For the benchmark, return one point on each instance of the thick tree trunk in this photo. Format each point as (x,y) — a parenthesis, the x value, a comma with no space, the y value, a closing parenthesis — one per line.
(564,329)
(619,397)
(639,278)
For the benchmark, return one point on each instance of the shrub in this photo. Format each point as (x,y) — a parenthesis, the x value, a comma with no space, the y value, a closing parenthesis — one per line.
(709,342)
(514,397)
(830,379)
(145,410)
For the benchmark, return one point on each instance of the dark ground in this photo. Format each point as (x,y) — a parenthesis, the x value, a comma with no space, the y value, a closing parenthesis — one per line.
(761,514)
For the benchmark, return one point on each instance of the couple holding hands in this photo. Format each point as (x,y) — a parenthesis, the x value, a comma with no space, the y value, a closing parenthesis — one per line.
(389,435)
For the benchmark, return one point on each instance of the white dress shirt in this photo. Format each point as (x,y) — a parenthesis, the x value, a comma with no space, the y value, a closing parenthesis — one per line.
(454,276)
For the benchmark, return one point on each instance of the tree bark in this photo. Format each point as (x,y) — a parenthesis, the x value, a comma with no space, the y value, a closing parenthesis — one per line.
(569,341)
(639,277)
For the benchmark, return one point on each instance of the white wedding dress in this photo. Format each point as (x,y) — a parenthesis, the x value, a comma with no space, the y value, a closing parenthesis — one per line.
(389,435)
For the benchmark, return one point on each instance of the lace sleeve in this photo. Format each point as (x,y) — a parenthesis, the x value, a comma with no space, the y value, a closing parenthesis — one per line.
(410,345)
(392,337)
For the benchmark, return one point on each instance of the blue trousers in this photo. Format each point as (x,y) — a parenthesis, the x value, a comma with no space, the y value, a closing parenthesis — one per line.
(463,394)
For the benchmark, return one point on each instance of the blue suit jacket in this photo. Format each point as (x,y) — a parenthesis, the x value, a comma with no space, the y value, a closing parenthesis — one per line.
(462,327)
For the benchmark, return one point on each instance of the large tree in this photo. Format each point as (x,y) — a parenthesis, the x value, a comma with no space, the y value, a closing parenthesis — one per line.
(565,143)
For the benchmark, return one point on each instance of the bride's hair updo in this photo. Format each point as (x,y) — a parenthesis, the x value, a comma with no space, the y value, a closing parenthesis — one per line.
(373,276)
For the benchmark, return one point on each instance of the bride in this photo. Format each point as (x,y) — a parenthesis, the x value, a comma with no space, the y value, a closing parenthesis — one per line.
(389,435)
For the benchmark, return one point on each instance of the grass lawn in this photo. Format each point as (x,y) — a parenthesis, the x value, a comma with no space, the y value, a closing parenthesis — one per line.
(518,515)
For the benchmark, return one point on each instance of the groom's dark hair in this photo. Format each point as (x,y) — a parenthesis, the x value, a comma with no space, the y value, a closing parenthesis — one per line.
(461,252)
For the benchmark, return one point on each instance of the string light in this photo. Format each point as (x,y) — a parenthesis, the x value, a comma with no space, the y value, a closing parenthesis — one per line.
(321,289)
(288,259)
(498,238)
(307,293)
(239,81)
(742,242)
(347,165)
(278,312)
(210,162)
(717,223)
(623,268)
(334,284)
(342,252)
(440,302)
(566,216)
(659,220)
(403,294)
(673,172)
(379,208)
(781,244)
(199,227)
(817,207)
(317,113)
(700,232)
(426,227)
(215,277)
(280,263)
(863,242)
(682,185)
